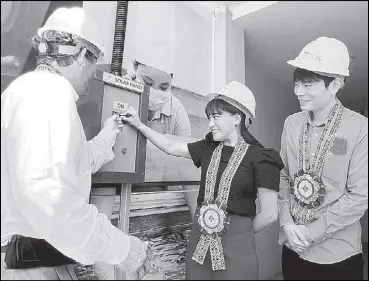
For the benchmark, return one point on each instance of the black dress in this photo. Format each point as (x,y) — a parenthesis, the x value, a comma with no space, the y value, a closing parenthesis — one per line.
(260,167)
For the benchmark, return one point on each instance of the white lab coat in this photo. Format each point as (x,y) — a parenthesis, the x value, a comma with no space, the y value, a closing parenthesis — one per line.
(46,166)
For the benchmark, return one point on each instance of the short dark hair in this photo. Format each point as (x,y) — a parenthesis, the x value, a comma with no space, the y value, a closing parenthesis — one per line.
(218,106)
(304,76)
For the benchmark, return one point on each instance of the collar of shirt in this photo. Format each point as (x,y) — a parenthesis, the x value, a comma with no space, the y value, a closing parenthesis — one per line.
(74,92)
(55,72)
(166,109)
(75,95)
(310,121)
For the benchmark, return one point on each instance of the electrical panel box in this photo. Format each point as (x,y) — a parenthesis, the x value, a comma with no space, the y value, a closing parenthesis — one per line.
(109,94)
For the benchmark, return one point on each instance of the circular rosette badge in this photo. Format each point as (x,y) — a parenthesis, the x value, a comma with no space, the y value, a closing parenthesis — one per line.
(211,219)
(306,189)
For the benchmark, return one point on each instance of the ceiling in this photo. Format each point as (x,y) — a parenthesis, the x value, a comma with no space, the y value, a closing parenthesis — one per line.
(215,4)
(276,31)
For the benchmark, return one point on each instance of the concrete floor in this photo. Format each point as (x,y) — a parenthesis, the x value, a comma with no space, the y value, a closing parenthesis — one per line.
(279,276)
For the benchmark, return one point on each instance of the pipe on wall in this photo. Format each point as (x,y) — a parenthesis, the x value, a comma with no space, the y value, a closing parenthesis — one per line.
(119,38)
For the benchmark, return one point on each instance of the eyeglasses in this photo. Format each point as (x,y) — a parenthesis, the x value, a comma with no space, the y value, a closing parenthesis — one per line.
(90,56)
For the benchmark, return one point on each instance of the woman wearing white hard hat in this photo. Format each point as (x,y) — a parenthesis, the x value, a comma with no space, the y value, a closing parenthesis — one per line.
(325,151)
(235,168)
(47,224)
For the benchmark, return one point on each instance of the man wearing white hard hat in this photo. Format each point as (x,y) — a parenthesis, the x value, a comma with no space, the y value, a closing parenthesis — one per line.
(324,185)
(47,224)
(235,168)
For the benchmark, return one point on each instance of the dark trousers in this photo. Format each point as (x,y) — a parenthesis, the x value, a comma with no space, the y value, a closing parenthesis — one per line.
(296,268)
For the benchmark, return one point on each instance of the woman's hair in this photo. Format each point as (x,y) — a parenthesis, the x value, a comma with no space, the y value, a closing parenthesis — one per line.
(218,106)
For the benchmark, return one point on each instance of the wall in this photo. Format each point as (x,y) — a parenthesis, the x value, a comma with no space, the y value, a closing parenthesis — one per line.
(106,22)
(274,102)
(173,36)
(235,51)
(192,51)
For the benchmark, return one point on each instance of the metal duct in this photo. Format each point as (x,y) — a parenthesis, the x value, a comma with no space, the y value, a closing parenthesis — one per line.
(119,37)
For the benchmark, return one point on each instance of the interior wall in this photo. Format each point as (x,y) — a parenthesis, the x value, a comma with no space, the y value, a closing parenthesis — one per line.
(173,35)
(274,102)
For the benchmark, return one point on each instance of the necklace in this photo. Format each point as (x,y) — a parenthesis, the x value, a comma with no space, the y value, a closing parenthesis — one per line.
(213,219)
(48,68)
(307,186)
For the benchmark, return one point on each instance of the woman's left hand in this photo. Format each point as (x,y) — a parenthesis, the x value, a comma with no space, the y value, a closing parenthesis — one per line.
(131,116)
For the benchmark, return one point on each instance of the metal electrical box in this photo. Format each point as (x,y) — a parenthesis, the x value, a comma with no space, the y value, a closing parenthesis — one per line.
(110,94)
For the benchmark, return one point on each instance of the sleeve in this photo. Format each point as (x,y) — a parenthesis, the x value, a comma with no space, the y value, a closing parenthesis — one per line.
(196,149)
(354,202)
(267,168)
(182,125)
(43,144)
(100,149)
(285,216)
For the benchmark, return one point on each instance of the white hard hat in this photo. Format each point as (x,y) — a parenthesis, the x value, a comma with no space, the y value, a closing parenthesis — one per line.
(76,22)
(325,56)
(158,59)
(238,95)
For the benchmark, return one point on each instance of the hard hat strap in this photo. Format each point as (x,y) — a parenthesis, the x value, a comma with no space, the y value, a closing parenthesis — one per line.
(53,49)
(55,43)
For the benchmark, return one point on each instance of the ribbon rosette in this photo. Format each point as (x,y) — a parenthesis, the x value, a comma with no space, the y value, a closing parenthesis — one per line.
(213,222)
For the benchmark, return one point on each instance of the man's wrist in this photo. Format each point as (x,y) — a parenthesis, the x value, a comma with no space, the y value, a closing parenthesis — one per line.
(108,134)
(116,131)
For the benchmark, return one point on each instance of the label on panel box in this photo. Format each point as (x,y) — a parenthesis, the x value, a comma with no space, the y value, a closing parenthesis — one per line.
(123,82)
(120,105)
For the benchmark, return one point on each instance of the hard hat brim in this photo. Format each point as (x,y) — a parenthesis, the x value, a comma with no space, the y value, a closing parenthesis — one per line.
(295,63)
(231,101)
(165,69)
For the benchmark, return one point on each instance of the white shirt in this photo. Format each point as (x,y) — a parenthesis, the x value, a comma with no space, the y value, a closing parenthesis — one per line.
(46,166)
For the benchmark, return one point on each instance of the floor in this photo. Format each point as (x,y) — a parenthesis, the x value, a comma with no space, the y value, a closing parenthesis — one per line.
(171,247)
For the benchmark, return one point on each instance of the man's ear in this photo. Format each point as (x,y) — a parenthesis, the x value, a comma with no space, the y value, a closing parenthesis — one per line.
(335,85)
(82,56)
